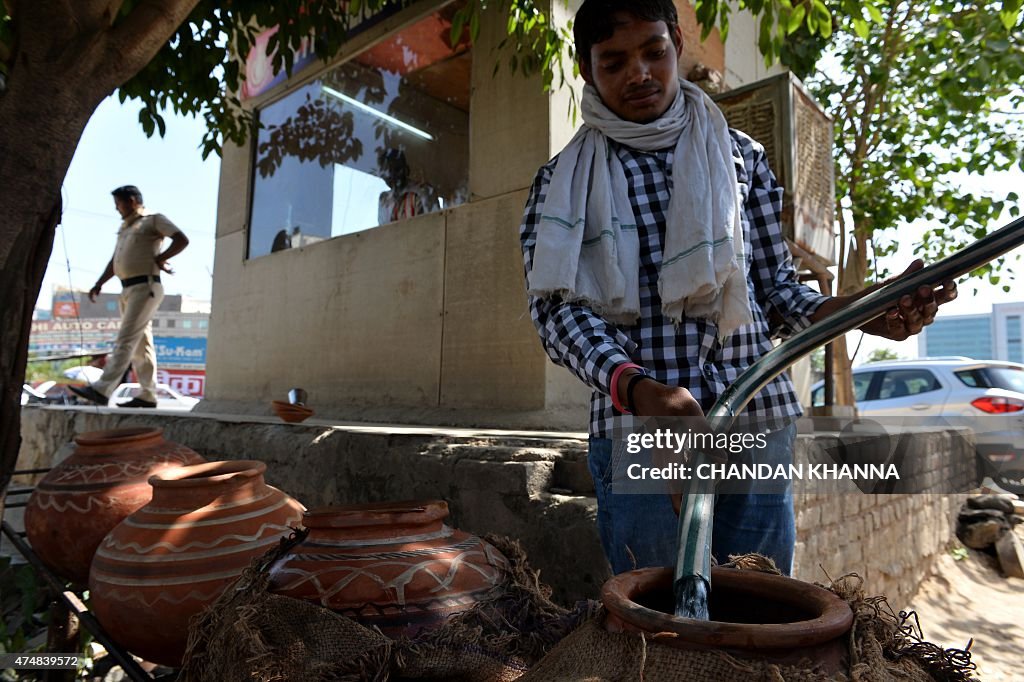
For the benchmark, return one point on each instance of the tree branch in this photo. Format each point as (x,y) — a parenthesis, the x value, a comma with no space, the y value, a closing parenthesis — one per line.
(132,43)
(842,242)
(103,10)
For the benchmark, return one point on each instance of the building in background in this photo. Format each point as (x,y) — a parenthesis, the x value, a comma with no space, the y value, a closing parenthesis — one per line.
(989,336)
(1006,331)
(78,326)
(966,335)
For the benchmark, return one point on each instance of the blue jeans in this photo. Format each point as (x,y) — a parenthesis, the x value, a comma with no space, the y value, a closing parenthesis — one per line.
(638,531)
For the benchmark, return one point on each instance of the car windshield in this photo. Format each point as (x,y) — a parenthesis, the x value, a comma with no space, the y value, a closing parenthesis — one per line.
(1009,378)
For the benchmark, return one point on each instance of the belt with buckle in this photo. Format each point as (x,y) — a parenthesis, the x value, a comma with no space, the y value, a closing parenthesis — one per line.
(141,279)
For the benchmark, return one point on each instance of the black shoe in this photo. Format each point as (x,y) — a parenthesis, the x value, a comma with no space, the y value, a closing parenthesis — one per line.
(89,393)
(137,402)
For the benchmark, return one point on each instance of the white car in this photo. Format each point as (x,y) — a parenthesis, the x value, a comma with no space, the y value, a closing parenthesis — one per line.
(987,395)
(166,397)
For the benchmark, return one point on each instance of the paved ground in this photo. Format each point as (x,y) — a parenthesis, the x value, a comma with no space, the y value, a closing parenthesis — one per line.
(970,598)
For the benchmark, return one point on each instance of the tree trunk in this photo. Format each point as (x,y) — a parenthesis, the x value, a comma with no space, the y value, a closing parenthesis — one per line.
(39,130)
(851,281)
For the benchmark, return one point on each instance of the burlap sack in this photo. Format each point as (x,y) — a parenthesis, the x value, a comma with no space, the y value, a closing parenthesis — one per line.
(883,647)
(250,634)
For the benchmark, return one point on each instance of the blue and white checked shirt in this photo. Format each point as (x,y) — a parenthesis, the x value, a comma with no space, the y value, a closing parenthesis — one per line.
(690,355)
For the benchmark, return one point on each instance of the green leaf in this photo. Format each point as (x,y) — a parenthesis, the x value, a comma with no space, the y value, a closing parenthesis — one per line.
(796,18)
(474,25)
(826,27)
(1008,19)
(860,27)
(458,22)
(874,14)
(823,19)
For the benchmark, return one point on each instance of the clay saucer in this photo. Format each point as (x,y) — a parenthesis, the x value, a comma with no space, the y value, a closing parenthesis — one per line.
(293,414)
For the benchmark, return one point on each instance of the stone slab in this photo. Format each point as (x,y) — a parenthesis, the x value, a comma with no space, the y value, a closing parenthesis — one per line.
(1011,555)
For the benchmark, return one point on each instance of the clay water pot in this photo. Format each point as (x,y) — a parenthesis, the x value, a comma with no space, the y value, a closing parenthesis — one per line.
(754,615)
(103,481)
(396,566)
(169,560)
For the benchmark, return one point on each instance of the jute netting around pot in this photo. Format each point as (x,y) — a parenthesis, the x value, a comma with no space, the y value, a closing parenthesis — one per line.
(250,634)
(883,647)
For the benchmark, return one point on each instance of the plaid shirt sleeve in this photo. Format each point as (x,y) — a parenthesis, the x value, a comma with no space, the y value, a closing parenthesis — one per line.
(572,335)
(771,270)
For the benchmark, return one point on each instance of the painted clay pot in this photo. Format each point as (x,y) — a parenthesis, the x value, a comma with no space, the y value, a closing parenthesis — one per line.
(754,615)
(173,557)
(105,479)
(396,566)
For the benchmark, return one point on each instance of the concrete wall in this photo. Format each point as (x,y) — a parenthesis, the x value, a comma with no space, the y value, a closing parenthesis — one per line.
(319,318)
(710,53)
(743,62)
(536,488)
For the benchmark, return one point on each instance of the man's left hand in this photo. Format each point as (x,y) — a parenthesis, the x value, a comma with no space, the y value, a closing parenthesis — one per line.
(162,264)
(914,312)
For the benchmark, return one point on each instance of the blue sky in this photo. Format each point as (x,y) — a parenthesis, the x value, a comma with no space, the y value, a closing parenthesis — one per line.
(177,182)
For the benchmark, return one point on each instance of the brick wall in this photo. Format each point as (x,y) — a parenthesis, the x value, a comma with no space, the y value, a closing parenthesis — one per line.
(890,540)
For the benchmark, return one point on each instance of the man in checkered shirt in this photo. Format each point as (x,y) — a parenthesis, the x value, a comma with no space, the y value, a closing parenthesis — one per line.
(629,53)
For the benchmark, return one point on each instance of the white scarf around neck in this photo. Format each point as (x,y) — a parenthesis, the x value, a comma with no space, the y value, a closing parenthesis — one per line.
(588,249)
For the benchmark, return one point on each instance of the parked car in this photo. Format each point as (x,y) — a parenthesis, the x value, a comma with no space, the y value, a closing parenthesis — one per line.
(49,393)
(987,395)
(166,397)
(31,395)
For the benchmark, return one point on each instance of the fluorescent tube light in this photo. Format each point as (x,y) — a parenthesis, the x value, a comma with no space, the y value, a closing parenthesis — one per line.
(373,112)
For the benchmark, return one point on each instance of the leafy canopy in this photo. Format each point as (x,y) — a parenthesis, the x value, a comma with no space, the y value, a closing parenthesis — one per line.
(196,71)
(922,93)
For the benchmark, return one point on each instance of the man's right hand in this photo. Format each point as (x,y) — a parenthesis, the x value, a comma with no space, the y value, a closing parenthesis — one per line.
(94,292)
(655,399)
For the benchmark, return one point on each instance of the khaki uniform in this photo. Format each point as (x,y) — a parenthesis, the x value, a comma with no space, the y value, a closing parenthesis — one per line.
(138,243)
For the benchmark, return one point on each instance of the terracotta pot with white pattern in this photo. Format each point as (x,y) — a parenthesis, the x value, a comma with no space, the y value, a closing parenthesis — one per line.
(80,500)
(174,556)
(396,565)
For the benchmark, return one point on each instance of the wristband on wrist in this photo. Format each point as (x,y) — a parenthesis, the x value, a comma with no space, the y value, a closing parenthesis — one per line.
(633,381)
(615,384)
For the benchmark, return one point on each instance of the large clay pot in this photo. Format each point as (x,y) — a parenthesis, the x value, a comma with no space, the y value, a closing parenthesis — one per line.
(103,481)
(396,566)
(754,615)
(174,556)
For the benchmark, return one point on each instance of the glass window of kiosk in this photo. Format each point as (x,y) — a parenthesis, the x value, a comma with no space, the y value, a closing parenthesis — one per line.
(381,138)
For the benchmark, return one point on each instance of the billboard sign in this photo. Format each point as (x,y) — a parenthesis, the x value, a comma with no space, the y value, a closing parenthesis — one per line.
(180,352)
